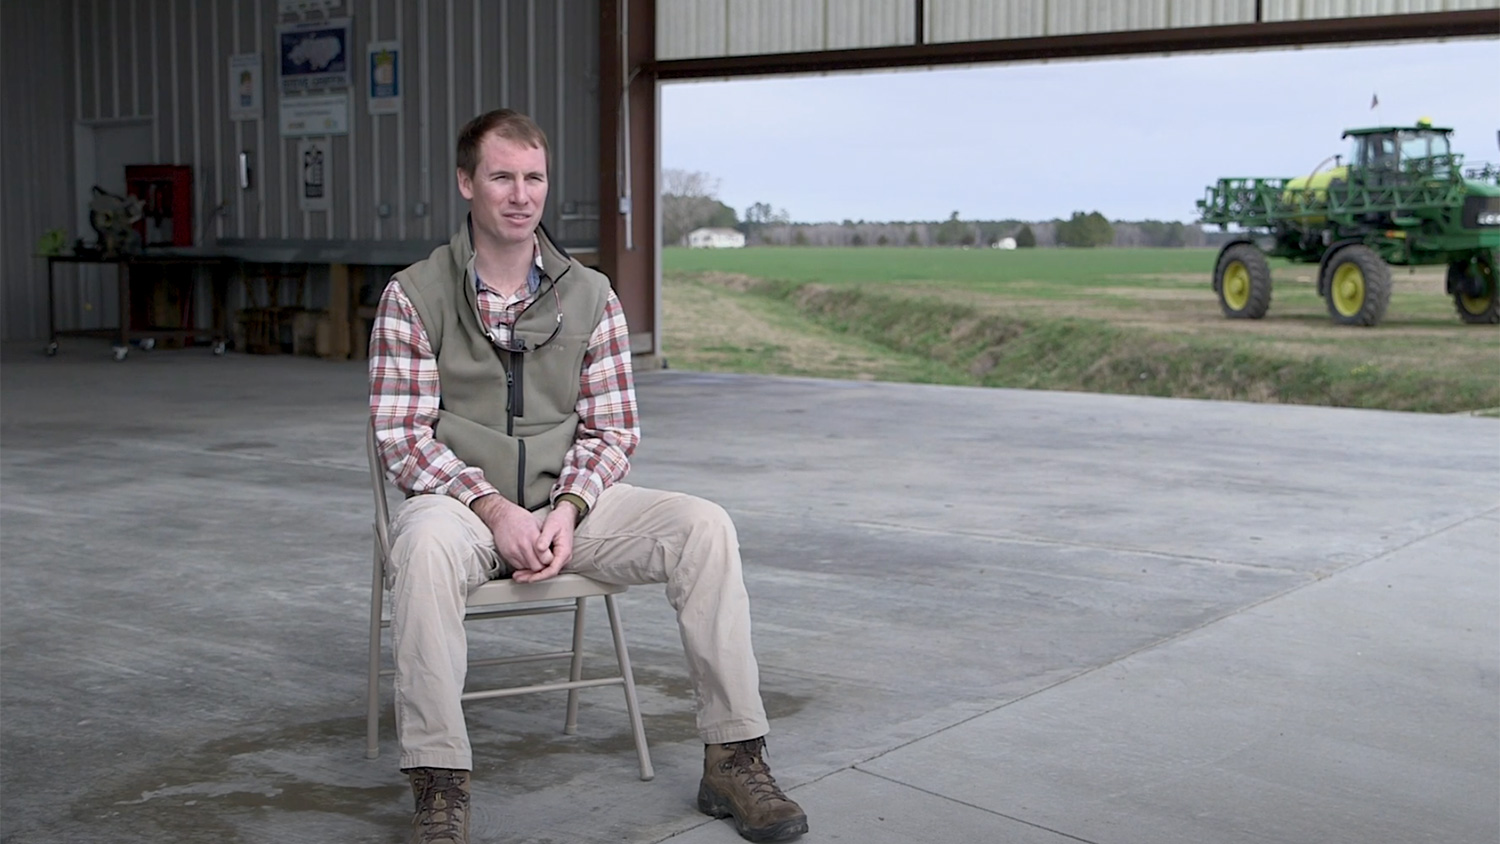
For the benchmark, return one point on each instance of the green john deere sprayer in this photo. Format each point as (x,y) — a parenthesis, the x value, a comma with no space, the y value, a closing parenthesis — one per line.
(1402,199)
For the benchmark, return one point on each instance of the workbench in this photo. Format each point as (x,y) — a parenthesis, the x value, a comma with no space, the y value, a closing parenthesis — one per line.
(127,331)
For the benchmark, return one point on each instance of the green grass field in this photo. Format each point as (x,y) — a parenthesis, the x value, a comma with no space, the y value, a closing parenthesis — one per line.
(1141,321)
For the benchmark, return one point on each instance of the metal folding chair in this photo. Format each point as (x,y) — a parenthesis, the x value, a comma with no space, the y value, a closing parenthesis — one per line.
(499,599)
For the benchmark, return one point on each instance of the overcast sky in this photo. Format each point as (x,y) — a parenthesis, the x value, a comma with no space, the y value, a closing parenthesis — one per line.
(1133,138)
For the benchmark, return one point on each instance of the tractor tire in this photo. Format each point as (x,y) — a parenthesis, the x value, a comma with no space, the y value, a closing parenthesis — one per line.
(1358,285)
(1480,309)
(1242,278)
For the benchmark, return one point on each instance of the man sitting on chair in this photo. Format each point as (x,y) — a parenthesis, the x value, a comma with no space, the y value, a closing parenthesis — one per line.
(503,404)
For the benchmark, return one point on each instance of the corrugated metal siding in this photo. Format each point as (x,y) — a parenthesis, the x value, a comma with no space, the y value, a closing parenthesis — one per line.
(36,155)
(765,26)
(1279,10)
(699,28)
(708,28)
(870,23)
(531,56)
(165,62)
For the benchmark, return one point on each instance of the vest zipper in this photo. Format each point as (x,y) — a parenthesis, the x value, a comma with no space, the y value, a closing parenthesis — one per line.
(510,403)
(521,474)
(513,387)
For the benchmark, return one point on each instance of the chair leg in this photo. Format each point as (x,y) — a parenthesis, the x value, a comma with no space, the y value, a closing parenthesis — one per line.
(623,655)
(575,671)
(372,691)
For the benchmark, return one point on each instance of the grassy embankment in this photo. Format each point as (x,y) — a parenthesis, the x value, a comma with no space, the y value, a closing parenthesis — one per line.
(1142,321)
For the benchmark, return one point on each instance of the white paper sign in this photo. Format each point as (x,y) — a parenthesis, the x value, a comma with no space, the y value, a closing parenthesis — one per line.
(384,67)
(314,168)
(302,7)
(325,114)
(244,87)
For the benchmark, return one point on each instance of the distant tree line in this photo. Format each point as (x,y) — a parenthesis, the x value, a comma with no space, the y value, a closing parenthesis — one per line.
(690,201)
(1082,230)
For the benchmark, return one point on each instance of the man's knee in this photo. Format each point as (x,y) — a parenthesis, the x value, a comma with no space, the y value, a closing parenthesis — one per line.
(699,514)
(708,538)
(434,546)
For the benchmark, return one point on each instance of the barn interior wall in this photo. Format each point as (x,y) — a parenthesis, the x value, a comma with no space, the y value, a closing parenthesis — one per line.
(157,72)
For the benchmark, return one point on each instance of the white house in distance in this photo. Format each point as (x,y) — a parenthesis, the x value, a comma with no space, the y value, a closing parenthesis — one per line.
(1005,243)
(715,239)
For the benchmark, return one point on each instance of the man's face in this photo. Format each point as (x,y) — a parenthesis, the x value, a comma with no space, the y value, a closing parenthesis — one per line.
(508,190)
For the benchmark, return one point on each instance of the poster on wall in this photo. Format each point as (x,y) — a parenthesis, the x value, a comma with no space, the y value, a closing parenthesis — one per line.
(385,76)
(244,87)
(313,192)
(314,56)
(325,114)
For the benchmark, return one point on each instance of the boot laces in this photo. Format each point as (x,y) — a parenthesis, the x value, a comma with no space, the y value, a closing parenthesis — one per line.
(749,761)
(445,818)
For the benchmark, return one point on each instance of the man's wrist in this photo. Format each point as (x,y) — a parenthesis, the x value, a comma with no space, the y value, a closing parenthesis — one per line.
(578,504)
(488,507)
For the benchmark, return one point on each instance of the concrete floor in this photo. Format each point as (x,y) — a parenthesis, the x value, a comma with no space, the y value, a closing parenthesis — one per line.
(982,616)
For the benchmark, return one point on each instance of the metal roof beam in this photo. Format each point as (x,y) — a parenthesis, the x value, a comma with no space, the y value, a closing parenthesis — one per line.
(1426,25)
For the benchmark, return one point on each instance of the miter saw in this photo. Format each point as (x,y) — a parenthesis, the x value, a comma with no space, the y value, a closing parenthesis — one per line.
(113,218)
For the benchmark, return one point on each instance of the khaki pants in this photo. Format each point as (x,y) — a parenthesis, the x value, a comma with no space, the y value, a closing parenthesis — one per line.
(441,550)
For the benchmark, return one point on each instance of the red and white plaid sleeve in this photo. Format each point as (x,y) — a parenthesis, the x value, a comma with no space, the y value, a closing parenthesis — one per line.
(608,423)
(404,401)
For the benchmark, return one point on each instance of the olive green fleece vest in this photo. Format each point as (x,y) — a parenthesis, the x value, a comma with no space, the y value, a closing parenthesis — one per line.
(512,414)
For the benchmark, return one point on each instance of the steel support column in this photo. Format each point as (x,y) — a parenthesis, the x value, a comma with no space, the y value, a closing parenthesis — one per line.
(628,159)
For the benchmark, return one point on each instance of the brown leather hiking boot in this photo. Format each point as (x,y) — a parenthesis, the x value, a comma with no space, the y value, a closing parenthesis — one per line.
(737,783)
(442,815)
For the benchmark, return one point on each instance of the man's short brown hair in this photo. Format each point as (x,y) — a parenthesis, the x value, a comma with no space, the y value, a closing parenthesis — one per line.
(511,125)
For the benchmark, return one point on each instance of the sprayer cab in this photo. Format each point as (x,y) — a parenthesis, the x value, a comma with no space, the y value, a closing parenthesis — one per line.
(1387,152)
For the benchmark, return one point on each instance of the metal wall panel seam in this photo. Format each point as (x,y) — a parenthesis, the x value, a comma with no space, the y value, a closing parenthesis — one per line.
(560,177)
(356,116)
(450,42)
(176,80)
(94,16)
(135,61)
(622,132)
(260,125)
(376,186)
(478,59)
(196,115)
(424,123)
(94,285)
(239,128)
(116,64)
(218,119)
(400,15)
(531,58)
(504,53)
(77,61)
(155,88)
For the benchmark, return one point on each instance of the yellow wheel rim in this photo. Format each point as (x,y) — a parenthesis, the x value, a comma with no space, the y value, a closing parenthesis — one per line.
(1475,304)
(1348,289)
(1236,285)
(1479,304)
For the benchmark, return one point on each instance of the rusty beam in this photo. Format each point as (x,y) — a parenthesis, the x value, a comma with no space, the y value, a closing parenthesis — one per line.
(627,165)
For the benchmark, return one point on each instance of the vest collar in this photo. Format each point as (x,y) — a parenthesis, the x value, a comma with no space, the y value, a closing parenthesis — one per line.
(555,261)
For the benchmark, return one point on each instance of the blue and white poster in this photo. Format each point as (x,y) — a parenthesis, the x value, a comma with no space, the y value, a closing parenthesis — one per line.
(314,56)
(385,76)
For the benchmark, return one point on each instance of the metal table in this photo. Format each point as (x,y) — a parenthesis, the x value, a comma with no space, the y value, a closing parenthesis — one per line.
(126,331)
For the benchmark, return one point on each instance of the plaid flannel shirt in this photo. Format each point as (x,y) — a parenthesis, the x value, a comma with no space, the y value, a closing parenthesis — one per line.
(405,395)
